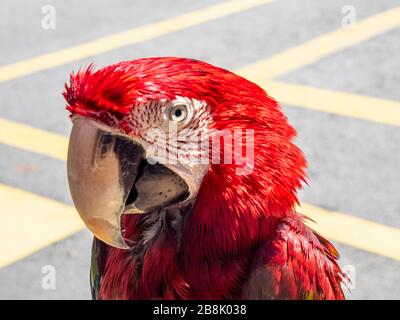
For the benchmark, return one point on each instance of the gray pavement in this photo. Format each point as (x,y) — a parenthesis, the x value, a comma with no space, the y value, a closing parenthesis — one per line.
(353,164)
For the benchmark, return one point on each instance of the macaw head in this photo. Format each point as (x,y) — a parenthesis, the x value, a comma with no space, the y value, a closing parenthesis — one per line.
(165,133)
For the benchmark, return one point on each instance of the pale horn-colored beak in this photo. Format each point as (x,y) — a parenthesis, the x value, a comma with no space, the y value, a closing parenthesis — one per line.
(108,177)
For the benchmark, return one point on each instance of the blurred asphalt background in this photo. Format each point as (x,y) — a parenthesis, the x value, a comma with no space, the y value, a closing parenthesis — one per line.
(353,163)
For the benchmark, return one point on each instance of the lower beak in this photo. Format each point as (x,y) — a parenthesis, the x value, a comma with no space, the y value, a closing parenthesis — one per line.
(109,176)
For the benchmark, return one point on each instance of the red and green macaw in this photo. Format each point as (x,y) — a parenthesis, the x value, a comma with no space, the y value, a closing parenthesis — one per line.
(190,229)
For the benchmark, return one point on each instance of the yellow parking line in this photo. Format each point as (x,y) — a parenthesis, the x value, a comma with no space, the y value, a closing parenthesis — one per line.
(327,44)
(20,209)
(32,139)
(356,232)
(54,220)
(335,102)
(336,226)
(126,38)
(361,107)
(30,222)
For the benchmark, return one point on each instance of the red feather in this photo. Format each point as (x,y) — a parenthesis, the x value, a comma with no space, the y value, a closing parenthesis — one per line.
(236,218)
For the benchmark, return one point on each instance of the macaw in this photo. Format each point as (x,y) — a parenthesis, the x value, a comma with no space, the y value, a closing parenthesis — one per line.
(176,227)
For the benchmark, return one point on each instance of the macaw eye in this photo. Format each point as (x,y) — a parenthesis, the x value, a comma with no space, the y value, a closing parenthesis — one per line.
(178,113)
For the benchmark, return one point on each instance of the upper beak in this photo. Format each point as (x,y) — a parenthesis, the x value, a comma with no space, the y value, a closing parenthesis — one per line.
(108,176)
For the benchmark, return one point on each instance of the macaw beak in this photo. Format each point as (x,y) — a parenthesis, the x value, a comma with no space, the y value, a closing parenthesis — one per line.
(108,176)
